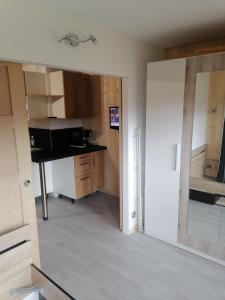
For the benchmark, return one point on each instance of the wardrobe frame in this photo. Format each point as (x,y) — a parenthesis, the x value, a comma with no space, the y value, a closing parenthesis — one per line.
(194,65)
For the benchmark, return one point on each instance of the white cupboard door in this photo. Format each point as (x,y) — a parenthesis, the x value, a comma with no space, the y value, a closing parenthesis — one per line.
(48,178)
(165,98)
(63,177)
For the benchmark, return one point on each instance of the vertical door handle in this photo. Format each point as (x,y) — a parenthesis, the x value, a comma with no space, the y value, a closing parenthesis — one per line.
(177,158)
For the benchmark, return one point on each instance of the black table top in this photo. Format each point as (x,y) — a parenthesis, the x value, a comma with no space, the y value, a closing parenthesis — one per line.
(45,155)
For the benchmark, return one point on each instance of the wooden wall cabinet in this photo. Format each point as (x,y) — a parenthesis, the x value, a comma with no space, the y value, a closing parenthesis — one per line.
(60,94)
(36,84)
(77,95)
(42,102)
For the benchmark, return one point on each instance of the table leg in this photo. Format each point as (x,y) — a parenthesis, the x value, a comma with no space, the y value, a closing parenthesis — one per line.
(43,191)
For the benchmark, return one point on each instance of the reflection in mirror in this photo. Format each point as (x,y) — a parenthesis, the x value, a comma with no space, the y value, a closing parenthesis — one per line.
(206,216)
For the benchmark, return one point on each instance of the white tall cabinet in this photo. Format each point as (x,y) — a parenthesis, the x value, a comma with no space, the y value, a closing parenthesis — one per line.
(164,120)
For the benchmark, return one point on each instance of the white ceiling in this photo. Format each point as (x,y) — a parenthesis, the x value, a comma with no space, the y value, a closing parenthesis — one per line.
(163,22)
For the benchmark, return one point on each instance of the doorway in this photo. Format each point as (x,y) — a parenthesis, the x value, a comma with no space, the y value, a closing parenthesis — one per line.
(41,100)
(82,186)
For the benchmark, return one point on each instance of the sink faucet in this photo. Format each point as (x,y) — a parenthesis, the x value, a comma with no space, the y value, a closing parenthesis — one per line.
(26,290)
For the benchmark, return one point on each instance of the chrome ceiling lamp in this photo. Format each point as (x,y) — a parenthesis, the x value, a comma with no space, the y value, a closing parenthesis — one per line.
(73,39)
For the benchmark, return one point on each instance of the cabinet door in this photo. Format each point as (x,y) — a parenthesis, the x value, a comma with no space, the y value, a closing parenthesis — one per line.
(63,176)
(70,92)
(84,166)
(83,98)
(77,95)
(84,185)
(17,206)
(165,97)
(35,84)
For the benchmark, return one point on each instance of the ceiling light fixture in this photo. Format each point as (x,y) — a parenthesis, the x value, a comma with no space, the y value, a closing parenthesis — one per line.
(73,39)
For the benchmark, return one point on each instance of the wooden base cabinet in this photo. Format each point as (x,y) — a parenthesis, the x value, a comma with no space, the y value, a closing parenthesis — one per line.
(88,173)
(84,185)
(79,176)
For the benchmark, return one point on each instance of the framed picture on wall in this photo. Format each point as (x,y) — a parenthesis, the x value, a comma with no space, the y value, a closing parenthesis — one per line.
(114,117)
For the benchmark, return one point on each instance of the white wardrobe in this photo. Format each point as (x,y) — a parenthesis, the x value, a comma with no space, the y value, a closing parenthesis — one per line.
(164,121)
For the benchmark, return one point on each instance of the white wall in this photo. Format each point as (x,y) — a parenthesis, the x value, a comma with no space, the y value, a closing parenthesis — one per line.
(29,32)
(199,135)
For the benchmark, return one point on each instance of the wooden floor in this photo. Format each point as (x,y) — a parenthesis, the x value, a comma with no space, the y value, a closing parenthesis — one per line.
(83,250)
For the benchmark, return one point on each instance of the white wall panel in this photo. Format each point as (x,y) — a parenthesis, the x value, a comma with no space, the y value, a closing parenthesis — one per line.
(34,38)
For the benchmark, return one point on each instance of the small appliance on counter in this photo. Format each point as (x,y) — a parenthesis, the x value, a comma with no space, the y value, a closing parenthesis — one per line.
(86,135)
(81,139)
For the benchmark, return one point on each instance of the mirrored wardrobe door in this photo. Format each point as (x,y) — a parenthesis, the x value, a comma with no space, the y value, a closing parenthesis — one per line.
(221,203)
(221,198)
(206,215)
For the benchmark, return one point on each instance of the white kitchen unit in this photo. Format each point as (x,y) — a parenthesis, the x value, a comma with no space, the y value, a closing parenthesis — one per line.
(63,176)
(36,178)
(164,119)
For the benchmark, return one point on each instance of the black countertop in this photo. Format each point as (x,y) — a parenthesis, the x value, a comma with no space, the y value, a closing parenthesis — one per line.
(45,155)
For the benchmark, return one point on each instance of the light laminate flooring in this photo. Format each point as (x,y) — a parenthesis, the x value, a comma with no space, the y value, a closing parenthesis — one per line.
(207,222)
(83,250)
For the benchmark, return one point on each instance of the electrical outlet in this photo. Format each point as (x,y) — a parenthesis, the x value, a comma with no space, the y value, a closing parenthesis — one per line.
(133,214)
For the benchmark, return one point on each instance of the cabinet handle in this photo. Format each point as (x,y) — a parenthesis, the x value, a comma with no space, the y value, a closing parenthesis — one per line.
(84,178)
(82,157)
(85,163)
(177,158)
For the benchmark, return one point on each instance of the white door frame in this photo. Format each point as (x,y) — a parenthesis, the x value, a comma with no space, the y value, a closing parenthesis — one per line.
(123,139)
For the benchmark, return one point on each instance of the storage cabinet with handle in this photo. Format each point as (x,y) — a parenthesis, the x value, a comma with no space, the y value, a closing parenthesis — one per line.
(82,175)
(164,121)
(88,173)
(84,185)
(76,90)
(83,164)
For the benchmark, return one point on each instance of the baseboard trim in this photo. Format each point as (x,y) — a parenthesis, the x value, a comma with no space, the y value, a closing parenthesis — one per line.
(132,229)
(188,249)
